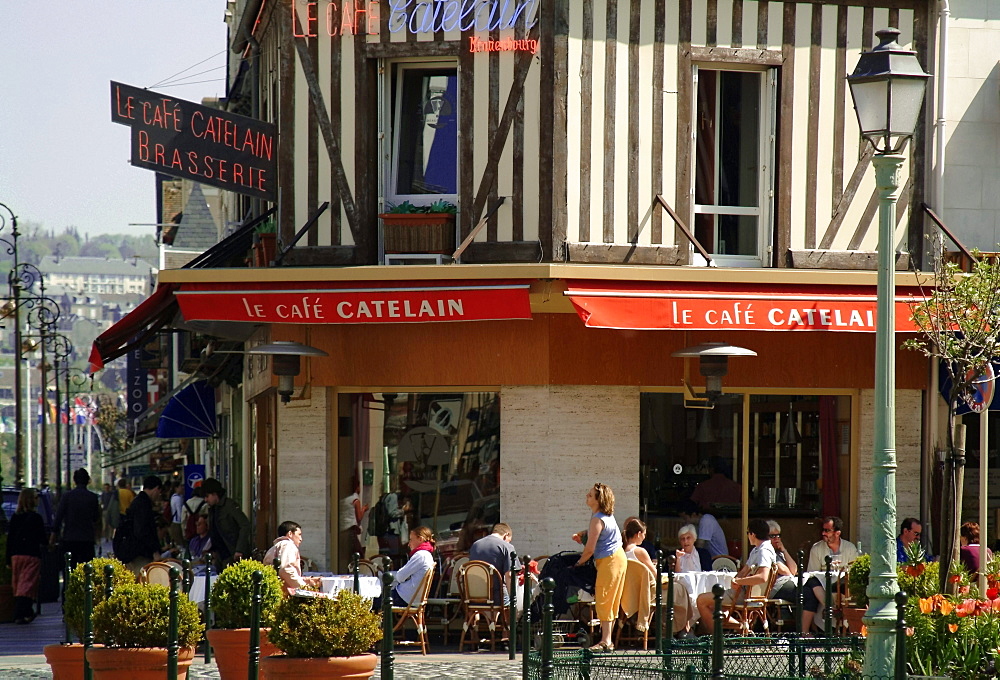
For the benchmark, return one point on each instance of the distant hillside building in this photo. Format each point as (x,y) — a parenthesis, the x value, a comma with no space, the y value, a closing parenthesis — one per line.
(97,276)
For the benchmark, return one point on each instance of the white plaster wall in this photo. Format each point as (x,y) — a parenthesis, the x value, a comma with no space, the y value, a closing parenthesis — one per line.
(972,166)
(304,473)
(908,415)
(557,442)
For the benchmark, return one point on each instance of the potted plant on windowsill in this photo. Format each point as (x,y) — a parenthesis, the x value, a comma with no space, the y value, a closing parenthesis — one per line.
(408,228)
(133,625)
(323,638)
(230,636)
(265,243)
(66,660)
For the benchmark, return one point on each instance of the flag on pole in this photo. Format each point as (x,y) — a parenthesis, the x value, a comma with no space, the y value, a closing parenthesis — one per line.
(80,411)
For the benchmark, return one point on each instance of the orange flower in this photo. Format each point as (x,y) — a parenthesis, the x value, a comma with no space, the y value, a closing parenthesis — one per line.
(966,607)
(946,608)
(926,605)
(953,627)
(992,593)
(914,570)
(864,630)
(954,578)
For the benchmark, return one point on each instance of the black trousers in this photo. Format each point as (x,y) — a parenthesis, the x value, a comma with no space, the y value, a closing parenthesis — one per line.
(80,551)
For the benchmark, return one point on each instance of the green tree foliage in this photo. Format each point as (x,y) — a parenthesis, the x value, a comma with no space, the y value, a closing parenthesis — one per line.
(322,627)
(111,422)
(959,321)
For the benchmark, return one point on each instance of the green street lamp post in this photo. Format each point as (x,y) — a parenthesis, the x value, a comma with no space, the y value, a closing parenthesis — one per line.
(888,90)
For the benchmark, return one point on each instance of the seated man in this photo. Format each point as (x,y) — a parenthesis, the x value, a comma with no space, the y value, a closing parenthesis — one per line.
(497,550)
(755,572)
(286,550)
(909,531)
(710,534)
(843,553)
(201,542)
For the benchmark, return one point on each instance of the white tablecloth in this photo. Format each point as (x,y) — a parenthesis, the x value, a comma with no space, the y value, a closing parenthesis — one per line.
(698,582)
(197,593)
(370,586)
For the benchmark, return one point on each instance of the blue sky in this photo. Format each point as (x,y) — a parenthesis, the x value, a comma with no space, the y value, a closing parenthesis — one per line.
(62,161)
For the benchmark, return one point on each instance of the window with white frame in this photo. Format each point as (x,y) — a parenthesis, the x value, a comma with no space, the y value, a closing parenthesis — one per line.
(733,178)
(422,110)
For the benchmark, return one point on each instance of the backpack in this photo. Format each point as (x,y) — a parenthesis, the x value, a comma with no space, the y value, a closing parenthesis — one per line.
(123,542)
(378,518)
(191,525)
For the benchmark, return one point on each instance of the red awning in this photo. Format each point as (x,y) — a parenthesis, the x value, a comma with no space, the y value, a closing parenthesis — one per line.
(713,306)
(355,302)
(135,327)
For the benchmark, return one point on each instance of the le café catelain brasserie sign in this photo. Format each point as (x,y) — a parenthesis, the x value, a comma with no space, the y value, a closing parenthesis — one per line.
(184,139)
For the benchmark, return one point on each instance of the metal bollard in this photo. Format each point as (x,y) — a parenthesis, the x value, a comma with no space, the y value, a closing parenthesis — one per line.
(88,614)
(387,656)
(901,673)
(548,609)
(208,605)
(717,617)
(585,658)
(356,570)
(256,599)
(800,594)
(173,646)
(109,575)
(828,613)
(526,622)
(67,570)
(512,611)
(660,623)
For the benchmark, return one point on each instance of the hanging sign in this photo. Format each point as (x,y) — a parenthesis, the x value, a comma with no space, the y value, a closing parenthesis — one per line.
(200,143)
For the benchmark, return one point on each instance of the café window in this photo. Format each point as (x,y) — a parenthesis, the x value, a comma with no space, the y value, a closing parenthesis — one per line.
(734,142)
(422,110)
(433,459)
(797,465)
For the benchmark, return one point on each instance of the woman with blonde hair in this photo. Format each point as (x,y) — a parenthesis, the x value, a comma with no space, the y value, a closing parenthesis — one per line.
(25,542)
(408,579)
(604,543)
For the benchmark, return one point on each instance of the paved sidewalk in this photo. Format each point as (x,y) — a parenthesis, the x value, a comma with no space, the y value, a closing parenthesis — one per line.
(21,656)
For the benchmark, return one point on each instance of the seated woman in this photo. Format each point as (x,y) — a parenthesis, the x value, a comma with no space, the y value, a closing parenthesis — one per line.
(635,534)
(421,561)
(970,551)
(689,557)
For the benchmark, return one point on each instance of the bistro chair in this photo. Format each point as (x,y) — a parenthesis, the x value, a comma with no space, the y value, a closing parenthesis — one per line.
(450,600)
(157,572)
(725,563)
(367,568)
(477,582)
(414,611)
(752,609)
(637,607)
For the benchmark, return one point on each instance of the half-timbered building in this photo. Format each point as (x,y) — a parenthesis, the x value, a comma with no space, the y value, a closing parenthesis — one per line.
(630,177)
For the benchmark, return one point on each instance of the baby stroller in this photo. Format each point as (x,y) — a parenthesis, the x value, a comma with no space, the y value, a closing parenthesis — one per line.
(574,621)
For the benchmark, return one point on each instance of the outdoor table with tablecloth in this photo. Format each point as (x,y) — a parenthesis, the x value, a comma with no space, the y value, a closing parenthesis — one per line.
(369,586)
(694,583)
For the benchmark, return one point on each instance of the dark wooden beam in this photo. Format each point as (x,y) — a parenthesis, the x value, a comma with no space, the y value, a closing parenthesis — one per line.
(840,212)
(322,256)
(729,55)
(503,251)
(843,259)
(608,253)
(397,50)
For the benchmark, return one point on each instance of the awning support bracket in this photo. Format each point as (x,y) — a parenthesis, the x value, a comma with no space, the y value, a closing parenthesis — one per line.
(302,232)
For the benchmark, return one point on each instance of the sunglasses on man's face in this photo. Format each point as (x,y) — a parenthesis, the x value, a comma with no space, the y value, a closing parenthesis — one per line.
(774,535)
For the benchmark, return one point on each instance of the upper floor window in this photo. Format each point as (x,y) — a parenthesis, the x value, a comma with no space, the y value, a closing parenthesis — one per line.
(423,132)
(733,179)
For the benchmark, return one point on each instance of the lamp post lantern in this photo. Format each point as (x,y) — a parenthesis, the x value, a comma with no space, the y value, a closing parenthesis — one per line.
(888,90)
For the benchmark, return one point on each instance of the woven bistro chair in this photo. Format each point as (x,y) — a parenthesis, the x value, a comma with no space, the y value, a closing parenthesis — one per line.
(476,583)
(414,611)
(752,609)
(638,604)
(157,572)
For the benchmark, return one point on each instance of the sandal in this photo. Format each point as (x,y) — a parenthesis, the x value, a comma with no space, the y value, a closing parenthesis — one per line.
(602,647)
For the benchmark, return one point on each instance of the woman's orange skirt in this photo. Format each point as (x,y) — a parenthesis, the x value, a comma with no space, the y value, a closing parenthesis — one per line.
(610,584)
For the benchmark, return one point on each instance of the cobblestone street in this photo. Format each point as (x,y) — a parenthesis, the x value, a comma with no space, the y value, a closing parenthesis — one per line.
(21,657)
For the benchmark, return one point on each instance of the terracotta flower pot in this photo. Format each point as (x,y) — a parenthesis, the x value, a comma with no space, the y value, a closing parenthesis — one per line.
(852,619)
(287,668)
(232,647)
(66,661)
(122,663)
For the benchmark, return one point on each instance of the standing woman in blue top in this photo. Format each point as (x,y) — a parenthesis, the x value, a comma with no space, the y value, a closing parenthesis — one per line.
(604,543)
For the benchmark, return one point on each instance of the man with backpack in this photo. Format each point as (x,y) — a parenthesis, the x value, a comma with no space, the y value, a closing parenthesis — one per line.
(191,509)
(228,526)
(137,541)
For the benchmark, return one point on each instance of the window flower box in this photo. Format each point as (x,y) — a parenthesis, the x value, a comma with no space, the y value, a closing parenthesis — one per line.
(419,229)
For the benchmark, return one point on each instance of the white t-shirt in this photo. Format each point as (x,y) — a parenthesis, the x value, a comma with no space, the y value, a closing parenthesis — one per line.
(348,517)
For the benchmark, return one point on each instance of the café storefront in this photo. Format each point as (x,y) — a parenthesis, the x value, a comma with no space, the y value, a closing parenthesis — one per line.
(565,378)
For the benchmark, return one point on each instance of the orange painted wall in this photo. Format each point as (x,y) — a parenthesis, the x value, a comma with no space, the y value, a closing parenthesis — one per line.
(557,349)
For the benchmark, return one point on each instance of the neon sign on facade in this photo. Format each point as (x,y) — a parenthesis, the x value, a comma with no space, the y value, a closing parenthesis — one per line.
(413,16)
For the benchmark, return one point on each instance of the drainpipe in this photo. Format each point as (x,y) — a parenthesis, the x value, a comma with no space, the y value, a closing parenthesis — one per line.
(933,407)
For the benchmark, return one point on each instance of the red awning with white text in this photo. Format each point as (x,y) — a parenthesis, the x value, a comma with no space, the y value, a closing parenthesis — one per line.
(713,306)
(355,302)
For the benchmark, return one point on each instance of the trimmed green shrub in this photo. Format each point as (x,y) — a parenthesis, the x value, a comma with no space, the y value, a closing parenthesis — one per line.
(321,626)
(857,580)
(231,594)
(73,606)
(138,615)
